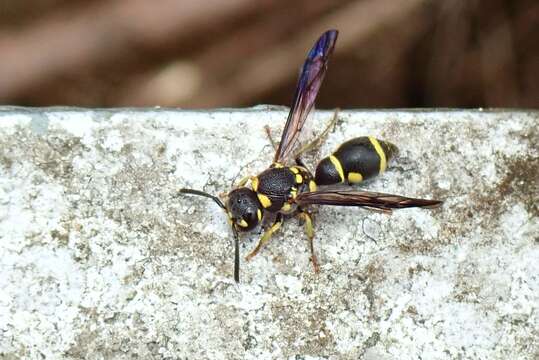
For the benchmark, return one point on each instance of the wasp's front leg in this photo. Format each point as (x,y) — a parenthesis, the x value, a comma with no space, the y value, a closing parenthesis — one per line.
(266,236)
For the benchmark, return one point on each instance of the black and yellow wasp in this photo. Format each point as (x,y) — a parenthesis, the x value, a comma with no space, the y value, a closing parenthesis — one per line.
(286,189)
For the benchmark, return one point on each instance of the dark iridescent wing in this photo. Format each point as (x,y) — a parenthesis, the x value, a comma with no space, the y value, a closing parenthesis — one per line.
(372,200)
(310,79)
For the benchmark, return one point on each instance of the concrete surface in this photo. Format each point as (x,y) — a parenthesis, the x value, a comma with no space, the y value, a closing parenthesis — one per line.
(101,259)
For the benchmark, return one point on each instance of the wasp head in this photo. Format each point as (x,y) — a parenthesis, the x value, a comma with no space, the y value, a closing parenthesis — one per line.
(243,209)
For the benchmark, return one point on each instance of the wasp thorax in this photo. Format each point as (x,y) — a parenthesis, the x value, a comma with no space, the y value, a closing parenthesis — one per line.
(244,209)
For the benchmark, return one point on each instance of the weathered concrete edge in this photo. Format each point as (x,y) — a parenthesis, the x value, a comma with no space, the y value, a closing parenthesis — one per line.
(260,108)
(493,299)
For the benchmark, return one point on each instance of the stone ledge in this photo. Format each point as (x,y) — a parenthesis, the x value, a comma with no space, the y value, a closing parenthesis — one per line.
(100,257)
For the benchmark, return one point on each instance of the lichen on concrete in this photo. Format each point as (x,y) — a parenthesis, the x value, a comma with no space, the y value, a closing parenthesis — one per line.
(100,257)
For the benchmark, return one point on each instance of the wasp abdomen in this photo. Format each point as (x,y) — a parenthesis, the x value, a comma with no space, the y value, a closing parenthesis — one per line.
(354,161)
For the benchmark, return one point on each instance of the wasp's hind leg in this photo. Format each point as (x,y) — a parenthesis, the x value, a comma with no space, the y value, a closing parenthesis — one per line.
(266,236)
(268,134)
(317,141)
(309,231)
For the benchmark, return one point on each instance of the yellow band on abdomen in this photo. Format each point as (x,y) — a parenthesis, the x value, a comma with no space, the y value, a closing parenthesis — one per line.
(338,166)
(354,177)
(380,152)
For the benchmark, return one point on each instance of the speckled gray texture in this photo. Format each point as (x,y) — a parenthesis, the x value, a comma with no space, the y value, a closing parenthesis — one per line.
(101,259)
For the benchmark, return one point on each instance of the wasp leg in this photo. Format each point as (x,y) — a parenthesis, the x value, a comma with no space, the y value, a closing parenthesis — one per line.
(244,180)
(317,141)
(268,219)
(268,134)
(266,237)
(309,231)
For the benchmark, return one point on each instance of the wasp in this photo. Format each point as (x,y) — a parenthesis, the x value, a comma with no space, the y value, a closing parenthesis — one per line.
(287,188)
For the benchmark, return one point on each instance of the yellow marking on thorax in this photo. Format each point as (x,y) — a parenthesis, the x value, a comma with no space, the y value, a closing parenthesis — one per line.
(312,186)
(286,207)
(277,165)
(254,183)
(299,179)
(380,152)
(264,200)
(294,169)
(259,214)
(293,192)
(338,166)
(354,177)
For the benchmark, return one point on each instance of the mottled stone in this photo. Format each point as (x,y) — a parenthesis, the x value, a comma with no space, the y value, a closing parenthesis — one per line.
(101,258)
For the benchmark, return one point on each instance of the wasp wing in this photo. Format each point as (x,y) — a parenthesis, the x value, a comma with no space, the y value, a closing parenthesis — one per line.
(367,199)
(311,76)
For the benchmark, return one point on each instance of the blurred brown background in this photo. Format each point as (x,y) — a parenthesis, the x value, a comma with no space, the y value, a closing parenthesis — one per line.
(230,53)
